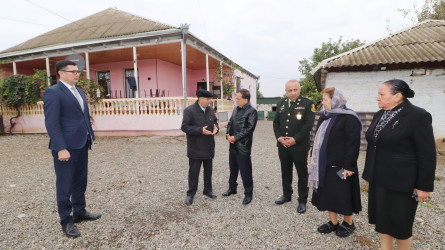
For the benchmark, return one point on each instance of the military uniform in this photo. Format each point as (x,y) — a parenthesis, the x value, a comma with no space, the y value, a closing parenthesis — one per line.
(294,120)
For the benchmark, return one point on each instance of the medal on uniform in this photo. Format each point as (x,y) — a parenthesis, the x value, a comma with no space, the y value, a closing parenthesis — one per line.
(299,115)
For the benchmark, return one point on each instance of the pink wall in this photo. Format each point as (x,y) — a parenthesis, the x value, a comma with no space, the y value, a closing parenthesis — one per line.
(8,71)
(126,125)
(167,75)
(195,76)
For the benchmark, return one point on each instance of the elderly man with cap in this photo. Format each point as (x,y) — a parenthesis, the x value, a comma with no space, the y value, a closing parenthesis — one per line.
(200,125)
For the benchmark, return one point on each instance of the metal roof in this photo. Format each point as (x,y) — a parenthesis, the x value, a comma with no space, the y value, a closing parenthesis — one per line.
(420,43)
(105,24)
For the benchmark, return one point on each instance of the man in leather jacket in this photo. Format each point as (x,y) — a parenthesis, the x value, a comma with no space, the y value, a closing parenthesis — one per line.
(240,135)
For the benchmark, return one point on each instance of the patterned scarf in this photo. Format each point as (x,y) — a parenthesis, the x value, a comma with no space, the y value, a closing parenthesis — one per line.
(387,116)
(317,169)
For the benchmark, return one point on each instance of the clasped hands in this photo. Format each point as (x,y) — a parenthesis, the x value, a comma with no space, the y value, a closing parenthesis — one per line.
(287,141)
(207,132)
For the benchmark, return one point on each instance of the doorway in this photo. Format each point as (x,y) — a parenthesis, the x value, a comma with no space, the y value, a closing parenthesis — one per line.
(130,83)
(103,78)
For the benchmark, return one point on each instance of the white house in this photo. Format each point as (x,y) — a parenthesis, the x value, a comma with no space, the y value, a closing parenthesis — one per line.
(415,55)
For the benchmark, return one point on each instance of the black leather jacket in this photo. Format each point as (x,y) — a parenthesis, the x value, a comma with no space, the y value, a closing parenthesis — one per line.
(241,126)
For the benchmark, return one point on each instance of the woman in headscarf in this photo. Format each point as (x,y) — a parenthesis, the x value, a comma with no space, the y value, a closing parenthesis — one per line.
(333,169)
(400,163)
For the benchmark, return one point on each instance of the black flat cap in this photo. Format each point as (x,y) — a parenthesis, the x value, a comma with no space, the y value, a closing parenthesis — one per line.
(203,93)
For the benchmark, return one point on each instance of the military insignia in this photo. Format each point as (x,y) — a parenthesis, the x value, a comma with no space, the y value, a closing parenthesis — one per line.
(313,108)
(299,116)
(299,108)
(282,107)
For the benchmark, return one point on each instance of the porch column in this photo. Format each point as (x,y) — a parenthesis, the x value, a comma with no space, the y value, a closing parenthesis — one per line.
(221,88)
(14,68)
(135,65)
(48,71)
(184,28)
(87,65)
(207,72)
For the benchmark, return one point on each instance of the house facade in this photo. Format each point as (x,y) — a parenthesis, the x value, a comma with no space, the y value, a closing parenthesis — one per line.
(149,71)
(415,55)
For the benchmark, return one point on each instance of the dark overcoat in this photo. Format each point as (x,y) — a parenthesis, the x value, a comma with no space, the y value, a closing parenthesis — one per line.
(199,146)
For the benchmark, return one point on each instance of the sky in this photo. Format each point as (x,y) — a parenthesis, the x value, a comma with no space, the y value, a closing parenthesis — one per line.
(268,38)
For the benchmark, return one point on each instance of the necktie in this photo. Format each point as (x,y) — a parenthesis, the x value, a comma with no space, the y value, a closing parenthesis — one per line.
(291,103)
(77,95)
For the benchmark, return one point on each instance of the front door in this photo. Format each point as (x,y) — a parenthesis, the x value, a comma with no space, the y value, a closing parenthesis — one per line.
(103,77)
(130,84)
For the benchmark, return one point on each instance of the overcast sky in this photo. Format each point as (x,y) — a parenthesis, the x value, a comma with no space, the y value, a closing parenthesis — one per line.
(266,37)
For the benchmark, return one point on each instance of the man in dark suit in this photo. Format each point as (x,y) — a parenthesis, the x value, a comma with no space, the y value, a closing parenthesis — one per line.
(240,135)
(200,125)
(292,125)
(67,121)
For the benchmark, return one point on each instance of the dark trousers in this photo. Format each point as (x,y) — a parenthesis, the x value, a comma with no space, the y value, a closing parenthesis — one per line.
(288,159)
(243,164)
(195,167)
(71,184)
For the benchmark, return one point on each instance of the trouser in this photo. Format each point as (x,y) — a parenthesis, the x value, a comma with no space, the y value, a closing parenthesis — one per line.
(243,164)
(71,184)
(288,159)
(193,176)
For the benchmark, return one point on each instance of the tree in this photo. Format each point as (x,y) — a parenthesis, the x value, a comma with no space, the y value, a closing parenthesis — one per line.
(258,92)
(225,74)
(431,9)
(18,90)
(327,50)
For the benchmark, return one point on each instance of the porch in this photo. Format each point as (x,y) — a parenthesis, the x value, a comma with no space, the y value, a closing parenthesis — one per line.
(122,117)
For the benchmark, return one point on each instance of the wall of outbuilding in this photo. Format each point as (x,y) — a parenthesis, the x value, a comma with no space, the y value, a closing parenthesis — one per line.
(360,88)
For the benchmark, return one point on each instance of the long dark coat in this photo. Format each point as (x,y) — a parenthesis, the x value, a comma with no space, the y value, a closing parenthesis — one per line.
(199,146)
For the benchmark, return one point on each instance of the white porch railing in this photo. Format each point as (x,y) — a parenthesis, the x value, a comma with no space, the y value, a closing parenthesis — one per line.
(134,106)
(26,110)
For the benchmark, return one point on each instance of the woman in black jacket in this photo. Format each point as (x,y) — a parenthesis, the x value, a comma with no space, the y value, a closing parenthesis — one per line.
(400,163)
(333,170)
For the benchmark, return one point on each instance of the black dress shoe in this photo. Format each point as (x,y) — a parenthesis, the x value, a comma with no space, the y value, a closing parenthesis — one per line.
(282,200)
(247,199)
(86,216)
(229,192)
(301,207)
(189,200)
(209,194)
(71,230)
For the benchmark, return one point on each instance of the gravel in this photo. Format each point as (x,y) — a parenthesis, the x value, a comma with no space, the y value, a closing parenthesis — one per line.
(139,185)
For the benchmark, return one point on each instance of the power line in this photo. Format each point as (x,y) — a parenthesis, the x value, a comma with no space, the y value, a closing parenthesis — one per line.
(51,12)
(16,20)
(201,14)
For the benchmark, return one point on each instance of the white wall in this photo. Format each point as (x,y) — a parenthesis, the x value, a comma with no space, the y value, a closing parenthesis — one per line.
(360,88)
(249,83)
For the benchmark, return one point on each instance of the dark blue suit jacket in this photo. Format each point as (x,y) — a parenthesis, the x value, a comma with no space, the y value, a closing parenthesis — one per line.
(68,127)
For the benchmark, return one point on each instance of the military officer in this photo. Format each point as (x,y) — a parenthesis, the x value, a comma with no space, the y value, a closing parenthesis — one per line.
(292,125)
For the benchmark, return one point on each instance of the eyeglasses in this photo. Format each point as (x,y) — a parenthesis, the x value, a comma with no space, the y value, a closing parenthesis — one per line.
(72,71)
